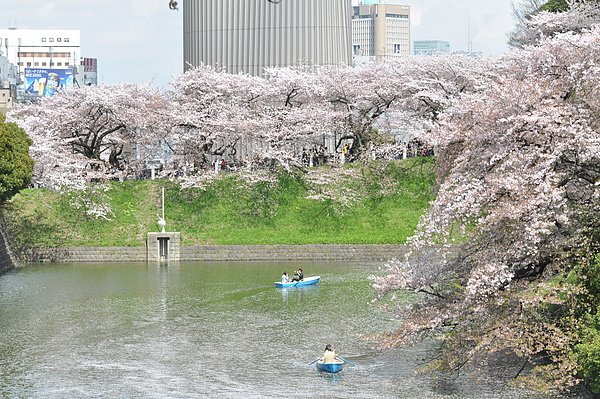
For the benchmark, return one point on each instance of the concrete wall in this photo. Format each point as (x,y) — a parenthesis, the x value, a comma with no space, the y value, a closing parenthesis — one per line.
(85,254)
(223,253)
(292,252)
(173,243)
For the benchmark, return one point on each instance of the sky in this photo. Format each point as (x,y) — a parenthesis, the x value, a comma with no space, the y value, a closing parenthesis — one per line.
(140,41)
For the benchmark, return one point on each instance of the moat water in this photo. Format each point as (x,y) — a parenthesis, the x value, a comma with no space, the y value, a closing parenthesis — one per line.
(205,330)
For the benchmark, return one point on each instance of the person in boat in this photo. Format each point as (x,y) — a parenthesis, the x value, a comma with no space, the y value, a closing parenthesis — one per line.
(300,275)
(285,278)
(296,276)
(329,356)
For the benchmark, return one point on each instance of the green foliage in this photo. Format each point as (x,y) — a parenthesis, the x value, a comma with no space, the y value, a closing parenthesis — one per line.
(555,6)
(587,352)
(390,199)
(31,219)
(16,166)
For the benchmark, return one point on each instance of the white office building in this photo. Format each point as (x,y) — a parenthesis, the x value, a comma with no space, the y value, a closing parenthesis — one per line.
(380,32)
(33,48)
(45,59)
(249,35)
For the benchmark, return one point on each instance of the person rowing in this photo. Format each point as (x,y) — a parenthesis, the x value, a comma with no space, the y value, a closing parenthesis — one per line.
(329,356)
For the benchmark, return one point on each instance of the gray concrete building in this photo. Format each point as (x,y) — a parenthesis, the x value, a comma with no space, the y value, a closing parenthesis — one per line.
(9,77)
(249,35)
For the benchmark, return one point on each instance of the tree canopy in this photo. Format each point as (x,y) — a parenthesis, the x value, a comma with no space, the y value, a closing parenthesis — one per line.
(555,6)
(517,207)
(537,19)
(15,163)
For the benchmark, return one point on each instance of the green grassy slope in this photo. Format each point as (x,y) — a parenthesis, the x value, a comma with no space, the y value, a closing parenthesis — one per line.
(376,203)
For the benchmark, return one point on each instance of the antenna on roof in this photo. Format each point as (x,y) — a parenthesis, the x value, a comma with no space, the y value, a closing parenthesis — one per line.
(469,41)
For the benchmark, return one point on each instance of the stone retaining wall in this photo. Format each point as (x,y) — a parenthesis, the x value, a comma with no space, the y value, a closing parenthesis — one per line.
(222,253)
(86,254)
(291,252)
(7,260)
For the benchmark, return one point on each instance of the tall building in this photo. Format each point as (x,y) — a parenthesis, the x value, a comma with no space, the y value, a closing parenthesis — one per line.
(9,74)
(380,32)
(8,84)
(45,59)
(87,73)
(249,35)
(431,47)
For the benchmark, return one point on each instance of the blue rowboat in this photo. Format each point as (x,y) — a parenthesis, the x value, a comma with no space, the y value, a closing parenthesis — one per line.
(333,367)
(307,281)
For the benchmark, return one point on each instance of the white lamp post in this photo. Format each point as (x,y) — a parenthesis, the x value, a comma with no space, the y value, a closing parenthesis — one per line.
(162,222)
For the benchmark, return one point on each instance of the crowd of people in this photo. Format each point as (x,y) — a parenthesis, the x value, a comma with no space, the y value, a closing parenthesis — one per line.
(315,156)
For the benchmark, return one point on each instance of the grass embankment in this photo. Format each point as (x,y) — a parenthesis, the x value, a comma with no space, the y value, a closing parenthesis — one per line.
(376,203)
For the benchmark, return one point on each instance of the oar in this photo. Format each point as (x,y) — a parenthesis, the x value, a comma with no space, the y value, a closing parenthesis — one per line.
(314,361)
(344,360)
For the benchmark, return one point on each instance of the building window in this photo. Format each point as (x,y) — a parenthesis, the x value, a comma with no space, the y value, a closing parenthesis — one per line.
(396,16)
(44,63)
(66,64)
(51,39)
(66,39)
(58,39)
(397,48)
(43,40)
(20,64)
(36,64)
(355,48)
(51,63)
(29,64)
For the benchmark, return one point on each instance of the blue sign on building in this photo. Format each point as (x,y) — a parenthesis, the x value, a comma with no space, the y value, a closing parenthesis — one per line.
(47,82)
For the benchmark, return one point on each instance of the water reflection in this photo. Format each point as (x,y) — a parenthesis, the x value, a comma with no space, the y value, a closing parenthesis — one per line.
(332,379)
(163,288)
(298,293)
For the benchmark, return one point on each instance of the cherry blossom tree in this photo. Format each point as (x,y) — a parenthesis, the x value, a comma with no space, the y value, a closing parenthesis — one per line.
(518,198)
(213,110)
(356,98)
(87,132)
(291,114)
(545,22)
(245,118)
